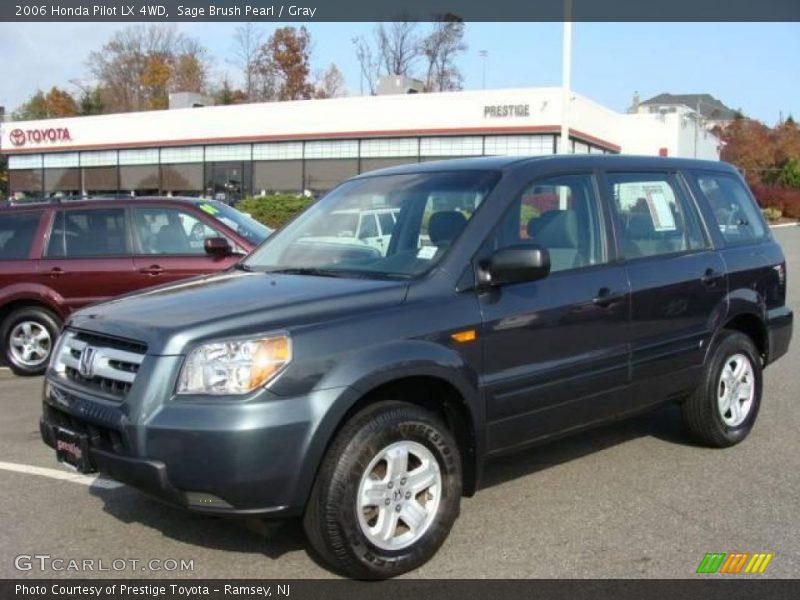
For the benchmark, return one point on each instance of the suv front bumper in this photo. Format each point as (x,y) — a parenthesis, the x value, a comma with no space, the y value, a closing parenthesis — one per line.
(254,458)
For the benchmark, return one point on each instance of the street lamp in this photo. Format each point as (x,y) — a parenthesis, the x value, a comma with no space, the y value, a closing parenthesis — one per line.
(484,54)
(566,68)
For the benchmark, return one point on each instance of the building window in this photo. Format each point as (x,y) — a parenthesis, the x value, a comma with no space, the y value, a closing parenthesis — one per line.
(332,149)
(389,147)
(373,164)
(140,180)
(25,182)
(272,176)
(322,175)
(451,146)
(191,154)
(61,160)
(62,182)
(25,161)
(581,148)
(99,180)
(182,179)
(147,156)
(228,181)
(103,158)
(278,151)
(237,152)
(518,145)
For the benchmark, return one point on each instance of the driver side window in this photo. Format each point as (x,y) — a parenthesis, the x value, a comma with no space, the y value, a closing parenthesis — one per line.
(169,231)
(560,214)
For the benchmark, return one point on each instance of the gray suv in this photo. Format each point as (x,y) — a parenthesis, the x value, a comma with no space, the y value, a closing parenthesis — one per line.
(362,389)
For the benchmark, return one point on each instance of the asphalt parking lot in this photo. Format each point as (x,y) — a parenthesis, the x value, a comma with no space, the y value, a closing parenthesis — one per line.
(634,499)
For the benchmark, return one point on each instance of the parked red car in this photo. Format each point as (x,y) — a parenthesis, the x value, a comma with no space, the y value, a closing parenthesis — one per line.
(58,256)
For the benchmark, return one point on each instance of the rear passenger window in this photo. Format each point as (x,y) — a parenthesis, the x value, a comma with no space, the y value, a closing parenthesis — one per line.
(85,233)
(652,216)
(16,234)
(560,214)
(738,218)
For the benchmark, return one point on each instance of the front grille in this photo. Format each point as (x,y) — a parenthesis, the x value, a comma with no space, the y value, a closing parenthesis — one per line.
(110,367)
(104,438)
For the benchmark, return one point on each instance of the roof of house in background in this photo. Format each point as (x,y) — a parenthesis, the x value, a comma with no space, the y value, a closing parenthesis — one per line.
(709,107)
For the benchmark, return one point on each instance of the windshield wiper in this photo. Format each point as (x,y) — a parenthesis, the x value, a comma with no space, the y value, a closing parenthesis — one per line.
(311,271)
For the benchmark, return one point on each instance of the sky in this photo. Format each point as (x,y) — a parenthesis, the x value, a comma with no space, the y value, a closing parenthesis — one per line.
(754,67)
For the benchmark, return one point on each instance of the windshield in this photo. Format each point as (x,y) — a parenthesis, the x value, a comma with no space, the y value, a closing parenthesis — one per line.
(244,225)
(391,226)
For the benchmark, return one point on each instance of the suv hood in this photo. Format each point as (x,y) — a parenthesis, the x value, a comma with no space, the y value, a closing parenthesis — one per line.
(231,304)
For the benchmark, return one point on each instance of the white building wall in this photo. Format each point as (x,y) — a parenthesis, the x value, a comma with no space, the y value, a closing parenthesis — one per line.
(443,114)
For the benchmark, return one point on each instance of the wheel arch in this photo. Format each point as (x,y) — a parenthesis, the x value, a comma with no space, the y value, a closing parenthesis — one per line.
(399,372)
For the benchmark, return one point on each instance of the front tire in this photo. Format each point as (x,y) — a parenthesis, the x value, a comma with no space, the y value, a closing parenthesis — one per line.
(723,409)
(387,493)
(28,336)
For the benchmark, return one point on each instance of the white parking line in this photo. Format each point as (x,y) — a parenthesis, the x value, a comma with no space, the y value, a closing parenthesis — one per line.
(779,225)
(91,480)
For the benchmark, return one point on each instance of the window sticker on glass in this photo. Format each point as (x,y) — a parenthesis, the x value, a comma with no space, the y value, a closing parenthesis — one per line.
(212,210)
(659,206)
(427,252)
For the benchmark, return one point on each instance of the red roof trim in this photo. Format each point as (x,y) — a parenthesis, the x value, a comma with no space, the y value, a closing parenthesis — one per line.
(554,129)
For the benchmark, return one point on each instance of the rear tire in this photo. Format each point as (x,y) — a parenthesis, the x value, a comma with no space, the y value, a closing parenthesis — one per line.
(723,409)
(28,336)
(390,463)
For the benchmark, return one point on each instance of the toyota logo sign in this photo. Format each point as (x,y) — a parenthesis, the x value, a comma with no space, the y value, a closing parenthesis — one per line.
(44,135)
(17,137)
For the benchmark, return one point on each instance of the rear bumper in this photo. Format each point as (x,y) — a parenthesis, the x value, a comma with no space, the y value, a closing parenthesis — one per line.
(779,332)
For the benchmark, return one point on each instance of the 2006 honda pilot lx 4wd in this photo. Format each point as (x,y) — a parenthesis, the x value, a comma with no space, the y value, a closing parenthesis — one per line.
(516,300)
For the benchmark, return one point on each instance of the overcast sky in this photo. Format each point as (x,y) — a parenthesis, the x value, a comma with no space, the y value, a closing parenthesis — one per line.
(752,66)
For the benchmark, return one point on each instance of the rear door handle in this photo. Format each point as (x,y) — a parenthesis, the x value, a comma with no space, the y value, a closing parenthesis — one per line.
(152,270)
(605,297)
(56,272)
(711,277)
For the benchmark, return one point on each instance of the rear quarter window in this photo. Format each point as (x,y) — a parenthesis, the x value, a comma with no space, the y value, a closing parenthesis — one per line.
(16,234)
(735,214)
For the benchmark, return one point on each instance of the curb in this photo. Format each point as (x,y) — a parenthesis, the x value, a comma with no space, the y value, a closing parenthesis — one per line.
(779,225)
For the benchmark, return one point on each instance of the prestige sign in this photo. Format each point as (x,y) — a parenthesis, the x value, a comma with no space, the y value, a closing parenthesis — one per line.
(506,110)
(45,135)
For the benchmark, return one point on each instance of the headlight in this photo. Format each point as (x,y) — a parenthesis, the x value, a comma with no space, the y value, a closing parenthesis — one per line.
(234,367)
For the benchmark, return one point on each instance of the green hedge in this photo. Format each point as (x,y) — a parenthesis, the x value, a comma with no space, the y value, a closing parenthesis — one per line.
(273,211)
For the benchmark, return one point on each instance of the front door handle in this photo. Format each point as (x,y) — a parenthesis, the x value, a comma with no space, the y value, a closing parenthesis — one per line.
(605,297)
(711,277)
(152,270)
(56,272)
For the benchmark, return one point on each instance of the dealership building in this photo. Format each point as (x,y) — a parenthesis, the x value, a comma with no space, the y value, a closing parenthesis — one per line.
(311,145)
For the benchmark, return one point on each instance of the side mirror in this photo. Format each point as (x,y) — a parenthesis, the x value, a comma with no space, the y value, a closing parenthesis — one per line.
(217,246)
(515,264)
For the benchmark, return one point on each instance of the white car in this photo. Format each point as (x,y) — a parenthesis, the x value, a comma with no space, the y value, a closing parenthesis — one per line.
(371,227)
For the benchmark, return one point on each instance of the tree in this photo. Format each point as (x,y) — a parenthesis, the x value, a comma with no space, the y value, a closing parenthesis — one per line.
(53,104)
(91,102)
(330,84)
(440,49)
(789,174)
(247,40)
(398,49)
(140,65)
(227,94)
(368,64)
(282,66)
(747,144)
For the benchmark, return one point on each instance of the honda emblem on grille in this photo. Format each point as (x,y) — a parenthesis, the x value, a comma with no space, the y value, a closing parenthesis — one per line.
(86,364)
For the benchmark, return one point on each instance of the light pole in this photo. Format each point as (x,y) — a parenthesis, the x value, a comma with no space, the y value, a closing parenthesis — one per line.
(484,54)
(566,71)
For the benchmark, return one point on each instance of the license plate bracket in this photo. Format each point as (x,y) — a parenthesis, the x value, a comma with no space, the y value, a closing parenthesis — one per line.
(72,448)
